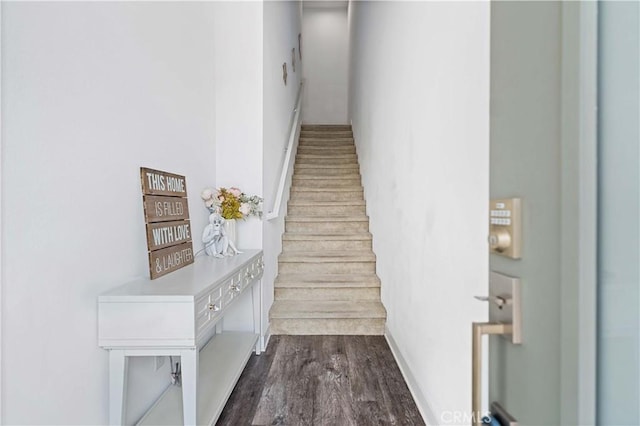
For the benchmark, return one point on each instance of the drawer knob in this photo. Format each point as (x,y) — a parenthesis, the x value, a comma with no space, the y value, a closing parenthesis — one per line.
(213,307)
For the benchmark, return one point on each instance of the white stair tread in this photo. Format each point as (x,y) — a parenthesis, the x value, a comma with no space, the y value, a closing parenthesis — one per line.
(327,219)
(329,177)
(326,203)
(312,149)
(316,235)
(310,140)
(342,127)
(303,236)
(327,256)
(300,309)
(325,166)
(354,188)
(339,136)
(327,280)
(330,160)
(325,132)
(328,154)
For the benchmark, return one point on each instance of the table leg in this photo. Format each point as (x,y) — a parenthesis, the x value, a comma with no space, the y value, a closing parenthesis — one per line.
(256,303)
(118,366)
(189,367)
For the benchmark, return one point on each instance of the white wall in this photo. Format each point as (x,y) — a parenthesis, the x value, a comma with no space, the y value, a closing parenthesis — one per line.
(238,81)
(91,92)
(238,86)
(282,24)
(325,49)
(420,106)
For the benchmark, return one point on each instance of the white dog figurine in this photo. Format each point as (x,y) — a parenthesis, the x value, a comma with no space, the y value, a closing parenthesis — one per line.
(214,237)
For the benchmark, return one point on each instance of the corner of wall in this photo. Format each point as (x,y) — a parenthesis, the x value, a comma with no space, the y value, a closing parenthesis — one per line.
(1,259)
(412,383)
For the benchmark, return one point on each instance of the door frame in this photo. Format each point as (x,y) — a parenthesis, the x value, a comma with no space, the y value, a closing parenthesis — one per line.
(579,212)
(1,256)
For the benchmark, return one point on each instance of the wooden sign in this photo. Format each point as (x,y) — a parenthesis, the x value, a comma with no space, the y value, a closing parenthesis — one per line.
(166,213)
(166,234)
(155,182)
(169,259)
(159,208)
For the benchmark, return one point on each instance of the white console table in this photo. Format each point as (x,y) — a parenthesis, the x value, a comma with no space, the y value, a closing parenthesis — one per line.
(179,315)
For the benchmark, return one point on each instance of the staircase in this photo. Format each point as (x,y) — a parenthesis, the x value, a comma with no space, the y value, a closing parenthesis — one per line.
(327,281)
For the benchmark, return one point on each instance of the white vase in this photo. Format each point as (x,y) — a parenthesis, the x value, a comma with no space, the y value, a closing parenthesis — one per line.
(230,228)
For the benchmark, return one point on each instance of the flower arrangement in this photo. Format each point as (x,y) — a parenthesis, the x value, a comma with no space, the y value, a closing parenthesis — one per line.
(231,203)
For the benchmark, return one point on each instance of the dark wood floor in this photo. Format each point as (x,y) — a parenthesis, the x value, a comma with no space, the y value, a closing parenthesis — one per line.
(322,380)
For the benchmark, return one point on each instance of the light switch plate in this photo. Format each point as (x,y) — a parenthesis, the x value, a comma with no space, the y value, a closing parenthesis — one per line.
(505,227)
(507,288)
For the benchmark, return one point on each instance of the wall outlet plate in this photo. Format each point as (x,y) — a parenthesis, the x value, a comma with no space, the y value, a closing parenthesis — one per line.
(507,288)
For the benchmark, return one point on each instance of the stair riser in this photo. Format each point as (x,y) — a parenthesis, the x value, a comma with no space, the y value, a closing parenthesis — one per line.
(315,136)
(301,172)
(302,187)
(324,280)
(326,152)
(351,172)
(326,196)
(327,268)
(327,127)
(317,150)
(326,135)
(324,211)
(327,183)
(349,167)
(327,160)
(326,146)
(327,155)
(326,143)
(351,326)
(345,294)
(321,227)
(318,245)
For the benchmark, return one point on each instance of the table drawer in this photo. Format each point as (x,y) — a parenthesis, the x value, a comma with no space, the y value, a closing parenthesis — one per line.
(252,272)
(232,288)
(208,309)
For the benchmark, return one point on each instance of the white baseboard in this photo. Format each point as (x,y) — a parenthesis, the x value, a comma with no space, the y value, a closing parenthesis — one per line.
(423,406)
(265,339)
